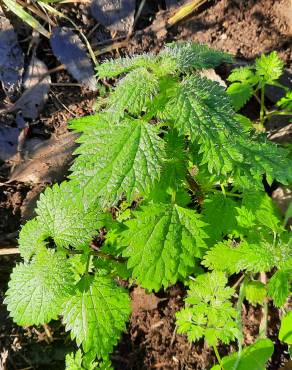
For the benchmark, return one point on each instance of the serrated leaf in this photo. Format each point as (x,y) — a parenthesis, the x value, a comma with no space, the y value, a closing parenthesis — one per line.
(285,333)
(269,67)
(243,74)
(113,160)
(162,243)
(254,356)
(209,311)
(115,67)
(74,361)
(261,206)
(201,109)
(240,93)
(247,256)
(286,102)
(96,314)
(279,286)
(173,171)
(219,212)
(255,292)
(37,290)
(31,239)
(64,216)
(189,56)
(134,92)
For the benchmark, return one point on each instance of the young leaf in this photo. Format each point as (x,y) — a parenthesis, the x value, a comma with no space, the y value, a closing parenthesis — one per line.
(96,314)
(113,160)
(31,239)
(255,292)
(189,56)
(219,212)
(269,67)
(133,92)
(286,102)
(285,333)
(162,243)
(38,290)
(253,357)
(201,109)
(74,361)
(247,256)
(244,75)
(209,311)
(240,93)
(63,214)
(114,67)
(279,286)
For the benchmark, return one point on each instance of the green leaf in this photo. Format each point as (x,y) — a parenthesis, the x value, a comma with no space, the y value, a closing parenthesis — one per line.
(31,239)
(74,361)
(263,210)
(244,75)
(113,160)
(255,292)
(201,109)
(96,314)
(64,216)
(219,212)
(285,333)
(114,67)
(134,92)
(240,93)
(208,310)
(269,67)
(253,357)
(286,102)
(162,244)
(189,56)
(173,171)
(260,256)
(279,286)
(38,290)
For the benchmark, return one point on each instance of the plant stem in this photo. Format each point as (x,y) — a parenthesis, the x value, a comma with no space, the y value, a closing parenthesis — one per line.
(239,321)
(262,111)
(218,357)
(228,193)
(278,113)
(88,263)
(264,320)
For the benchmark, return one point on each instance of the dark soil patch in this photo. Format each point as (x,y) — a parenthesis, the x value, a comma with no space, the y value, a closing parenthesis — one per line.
(244,28)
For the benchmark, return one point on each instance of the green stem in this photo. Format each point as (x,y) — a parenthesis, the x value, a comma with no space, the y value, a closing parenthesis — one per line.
(99,254)
(228,193)
(278,113)
(264,320)
(88,263)
(218,357)
(173,196)
(239,321)
(262,111)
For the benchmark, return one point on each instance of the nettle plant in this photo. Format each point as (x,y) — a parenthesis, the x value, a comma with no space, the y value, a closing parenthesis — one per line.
(166,186)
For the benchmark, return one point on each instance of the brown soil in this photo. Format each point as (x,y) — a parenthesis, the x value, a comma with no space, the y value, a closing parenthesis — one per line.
(244,28)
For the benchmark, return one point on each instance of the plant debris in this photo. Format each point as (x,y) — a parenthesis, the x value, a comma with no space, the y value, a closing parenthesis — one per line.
(117,15)
(11,57)
(69,50)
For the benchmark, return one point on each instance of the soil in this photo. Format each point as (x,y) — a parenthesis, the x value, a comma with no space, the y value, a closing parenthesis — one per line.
(243,28)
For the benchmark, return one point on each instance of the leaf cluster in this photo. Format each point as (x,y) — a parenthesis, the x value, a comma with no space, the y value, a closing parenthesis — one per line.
(165,180)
